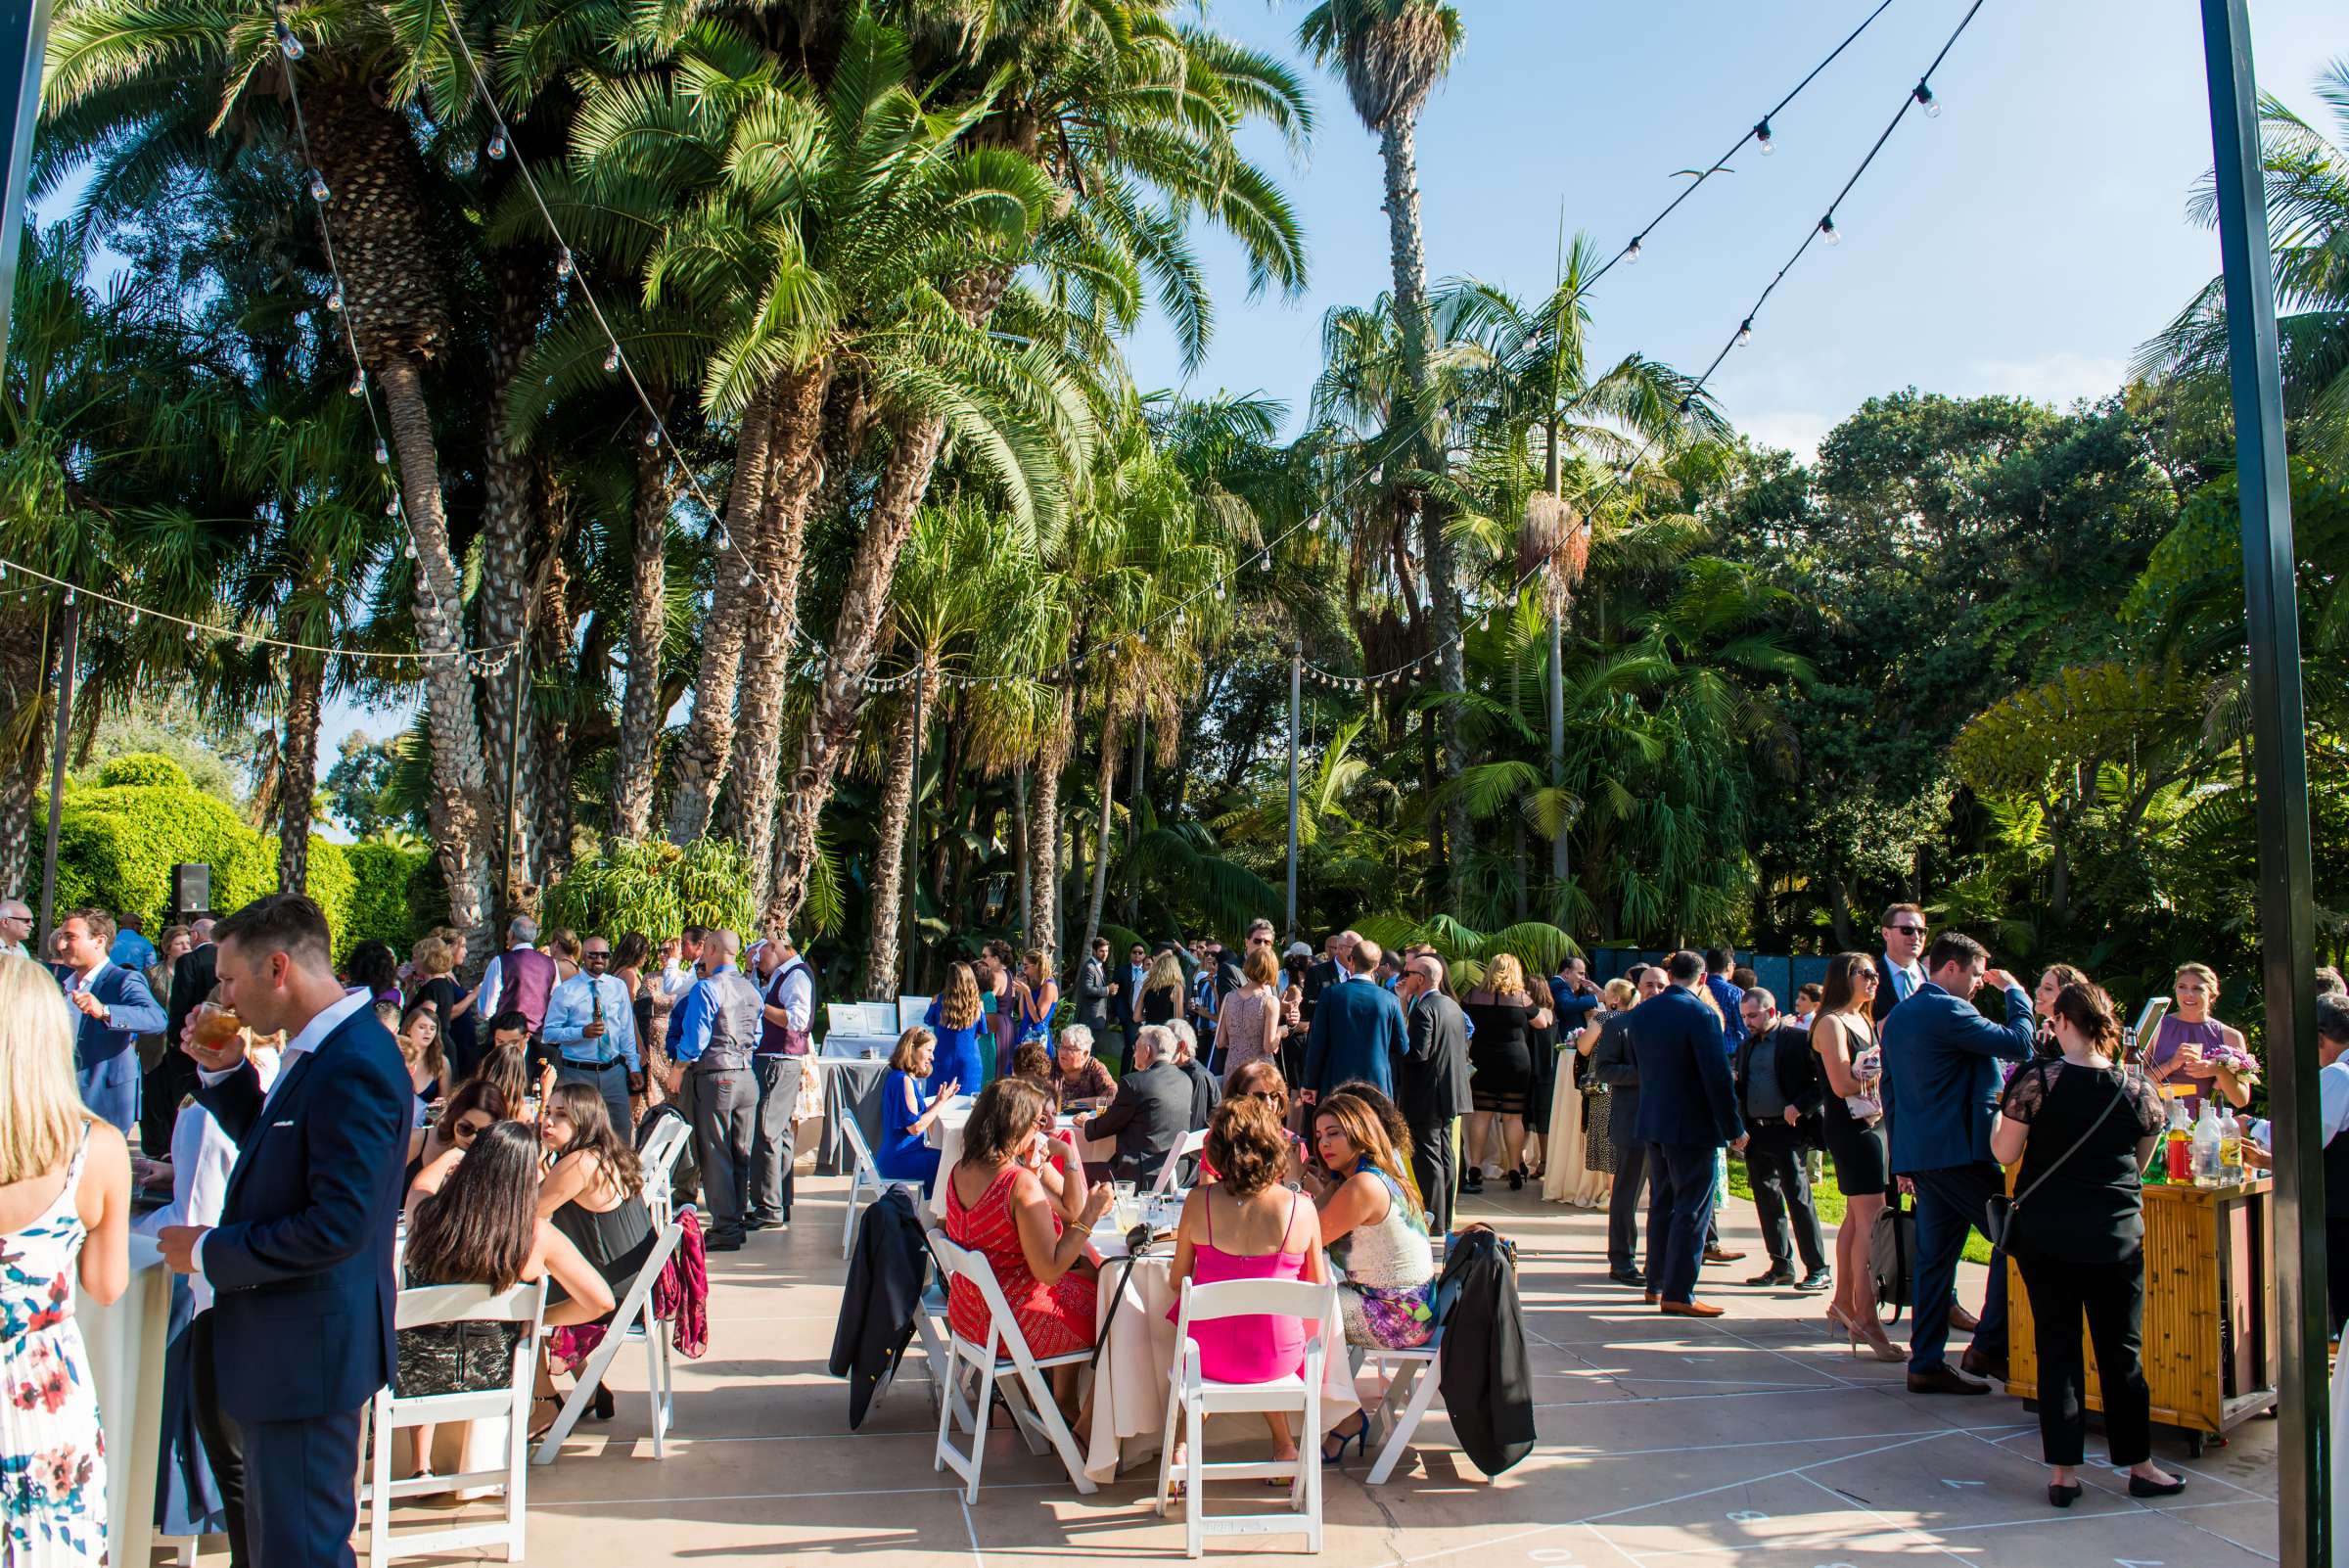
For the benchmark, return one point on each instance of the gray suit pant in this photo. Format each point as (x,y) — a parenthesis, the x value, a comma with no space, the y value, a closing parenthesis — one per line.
(724,1104)
(771,1152)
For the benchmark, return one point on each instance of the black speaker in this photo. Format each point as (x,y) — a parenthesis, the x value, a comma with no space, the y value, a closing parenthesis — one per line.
(191,889)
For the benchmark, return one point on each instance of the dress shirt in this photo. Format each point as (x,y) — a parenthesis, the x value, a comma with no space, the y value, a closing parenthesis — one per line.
(795,994)
(677,977)
(689,1025)
(494,980)
(571,1007)
(312,1035)
(131,950)
(2333,1108)
(75,979)
(16,949)
(202,1158)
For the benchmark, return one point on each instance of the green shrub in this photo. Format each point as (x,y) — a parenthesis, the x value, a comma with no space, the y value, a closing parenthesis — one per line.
(384,878)
(654,888)
(143,768)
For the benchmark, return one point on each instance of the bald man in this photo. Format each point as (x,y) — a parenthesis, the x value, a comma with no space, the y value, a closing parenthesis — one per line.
(712,1036)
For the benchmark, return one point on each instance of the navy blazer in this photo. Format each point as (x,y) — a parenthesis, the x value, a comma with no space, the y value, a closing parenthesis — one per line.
(1685,1096)
(1941,1076)
(301,1258)
(1358,1032)
(106,1055)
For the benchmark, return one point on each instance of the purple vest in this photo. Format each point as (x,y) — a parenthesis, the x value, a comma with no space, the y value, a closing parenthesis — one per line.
(527,977)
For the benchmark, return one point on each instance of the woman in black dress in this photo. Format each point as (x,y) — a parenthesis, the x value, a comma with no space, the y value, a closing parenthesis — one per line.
(1843,1032)
(1500,1060)
(2083,1129)
(1541,1043)
(594,1194)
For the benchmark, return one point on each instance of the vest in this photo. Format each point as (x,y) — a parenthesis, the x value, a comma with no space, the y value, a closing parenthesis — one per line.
(1764,1101)
(781,1039)
(527,977)
(734,1019)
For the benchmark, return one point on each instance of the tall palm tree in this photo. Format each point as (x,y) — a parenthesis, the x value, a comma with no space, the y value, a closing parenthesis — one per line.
(1392,54)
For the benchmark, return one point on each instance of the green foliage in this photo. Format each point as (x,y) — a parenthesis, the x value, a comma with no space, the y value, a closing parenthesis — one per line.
(654,888)
(382,902)
(143,768)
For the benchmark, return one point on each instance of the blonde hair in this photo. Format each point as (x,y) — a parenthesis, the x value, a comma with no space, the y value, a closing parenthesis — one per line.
(2203,972)
(1166,974)
(1505,977)
(1621,993)
(911,1044)
(434,957)
(42,1118)
(959,1005)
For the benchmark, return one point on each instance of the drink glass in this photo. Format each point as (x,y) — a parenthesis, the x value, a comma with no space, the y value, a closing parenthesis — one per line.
(216,1026)
(1124,1209)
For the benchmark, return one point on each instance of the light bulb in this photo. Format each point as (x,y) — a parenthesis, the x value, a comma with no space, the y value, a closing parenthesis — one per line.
(318,190)
(1631,253)
(1927,102)
(134,617)
(289,45)
(563,263)
(334,300)
(1745,333)
(1220,589)
(1266,564)
(383,453)
(392,505)
(192,633)
(774,607)
(652,435)
(1828,232)
(746,581)
(497,142)
(1314,522)
(721,541)
(70,596)
(358,383)
(612,359)
(410,550)
(1761,139)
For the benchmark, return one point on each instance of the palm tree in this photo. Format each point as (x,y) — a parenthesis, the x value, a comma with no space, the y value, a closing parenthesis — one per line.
(1392,54)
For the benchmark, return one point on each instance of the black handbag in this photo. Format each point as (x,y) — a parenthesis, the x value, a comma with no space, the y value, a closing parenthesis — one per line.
(2000,1211)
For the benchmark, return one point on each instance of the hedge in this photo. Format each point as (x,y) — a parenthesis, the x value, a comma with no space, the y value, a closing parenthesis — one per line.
(116,844)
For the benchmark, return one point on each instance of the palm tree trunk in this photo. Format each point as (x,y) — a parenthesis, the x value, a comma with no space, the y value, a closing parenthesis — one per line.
(636,765)
(1109,779)
(457,806)
(297,764)
(1407,245)
(1043,828)
(26,660)
(510,513)
(855,640)
(547,797)
(709,732)
(881,967)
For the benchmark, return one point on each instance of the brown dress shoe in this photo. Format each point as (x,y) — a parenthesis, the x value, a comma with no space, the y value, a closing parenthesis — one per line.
(1690,1309)
(1945,1379)
(1653,1298)
(1722,1255)
(1981,1363)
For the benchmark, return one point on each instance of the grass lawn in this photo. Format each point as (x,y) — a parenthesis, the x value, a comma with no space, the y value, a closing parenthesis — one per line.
(1829,1204)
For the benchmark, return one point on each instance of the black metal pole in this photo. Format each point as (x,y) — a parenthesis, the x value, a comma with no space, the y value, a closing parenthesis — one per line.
(2287,883)
(23,40)
(522,690)
(1296,715)
(69,652)
(913,830)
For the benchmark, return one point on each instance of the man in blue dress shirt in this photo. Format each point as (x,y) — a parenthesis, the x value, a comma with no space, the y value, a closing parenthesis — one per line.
(591,1026)
(115,1008)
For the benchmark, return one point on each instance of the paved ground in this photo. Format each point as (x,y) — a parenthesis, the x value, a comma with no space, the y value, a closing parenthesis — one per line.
(1664,1444)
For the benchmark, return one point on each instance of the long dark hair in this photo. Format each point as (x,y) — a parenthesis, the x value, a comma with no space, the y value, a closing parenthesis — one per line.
(373,967)
(2084,1004)
(507,1067)
(1006,1112)
(480,1227)
(630,950)
(592,1132)
(1842,988)
(474,1094)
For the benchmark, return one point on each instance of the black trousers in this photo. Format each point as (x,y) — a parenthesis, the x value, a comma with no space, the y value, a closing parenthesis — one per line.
(223,1444)
(2337,1270)
(1773,1162)
(1949,1202)
(2112,1298)
(173,1077)
(1631,1174)
(303,1491)
(1436,1168)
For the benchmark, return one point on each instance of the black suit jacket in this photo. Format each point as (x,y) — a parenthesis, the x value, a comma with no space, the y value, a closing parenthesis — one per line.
(301,1258)
(1431,1081)
(1148,1118)
(1320,975)
(1887,997)
(1685,1096)
(192,981)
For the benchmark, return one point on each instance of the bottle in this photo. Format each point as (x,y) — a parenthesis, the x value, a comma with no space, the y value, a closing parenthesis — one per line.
(2230,1148)
(2206,1146)
(2178,1152)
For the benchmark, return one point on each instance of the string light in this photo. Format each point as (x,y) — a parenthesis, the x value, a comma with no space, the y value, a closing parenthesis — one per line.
(1827,230)
(497,142)
(1745,333)
(652,435)
(334,300)
(1630,251)
(1762,141)
(289,45)
(358,383)
(612,359)
(1927,102)
(318,190)
(563,263)
(383,453)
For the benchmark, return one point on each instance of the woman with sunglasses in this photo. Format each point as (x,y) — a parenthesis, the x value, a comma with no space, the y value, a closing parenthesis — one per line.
(478,1105)
(1260,1081)
(1843,1032)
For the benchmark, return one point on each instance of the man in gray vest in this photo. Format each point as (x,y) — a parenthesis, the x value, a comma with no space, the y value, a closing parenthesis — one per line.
(712,1036)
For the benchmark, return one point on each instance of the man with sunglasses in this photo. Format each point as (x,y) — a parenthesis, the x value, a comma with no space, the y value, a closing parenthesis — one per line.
(591,1028)
(1900,967)
(1126,1000)
(1431,1081)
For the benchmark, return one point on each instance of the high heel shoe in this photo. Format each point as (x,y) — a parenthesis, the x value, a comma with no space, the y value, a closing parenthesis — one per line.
(2062,1497)
(603,1403)
(1837,1323)
(1337,1456)
(1876,1345)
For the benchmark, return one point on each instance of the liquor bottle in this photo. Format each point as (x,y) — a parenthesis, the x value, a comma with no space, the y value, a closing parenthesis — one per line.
(2178,1152)
(2206,1146)
(2230,1148)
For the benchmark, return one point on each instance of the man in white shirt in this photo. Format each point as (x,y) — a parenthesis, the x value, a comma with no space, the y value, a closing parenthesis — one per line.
(16,927)
(787,1009)
(2333,1123)
(591,1026)
(679,975)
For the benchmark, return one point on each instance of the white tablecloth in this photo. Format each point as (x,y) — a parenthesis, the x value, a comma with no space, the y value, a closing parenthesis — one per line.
(1130,1385)
(853,1046)
(944,1133)
(125,1347)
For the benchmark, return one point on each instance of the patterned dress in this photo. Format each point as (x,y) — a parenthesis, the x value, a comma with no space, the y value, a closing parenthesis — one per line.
(1056,1318)
(52,1453)
(1387,1294)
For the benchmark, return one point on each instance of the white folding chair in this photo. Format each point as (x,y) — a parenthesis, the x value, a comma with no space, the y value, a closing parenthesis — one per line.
(632,1316)
(1169,1175)
(658,1157)
(864,1176)
(1412,1377)
(930,1324)
(1026,1394)
(511,1402)
(1194,1397)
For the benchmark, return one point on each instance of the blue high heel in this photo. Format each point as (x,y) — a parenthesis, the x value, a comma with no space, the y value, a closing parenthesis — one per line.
(1357,1437)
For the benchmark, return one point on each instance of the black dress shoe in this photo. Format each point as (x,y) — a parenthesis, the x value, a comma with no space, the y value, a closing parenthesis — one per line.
(1629,1276)
(1816,1280)
(1945,1379)
(2063,1497)
(1772,1277)
(1473,1184)
(2140,1487)
(722,1244)
(1983,1364)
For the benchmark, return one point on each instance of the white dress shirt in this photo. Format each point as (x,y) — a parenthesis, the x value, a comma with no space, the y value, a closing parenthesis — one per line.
(202,1158)
(2333,1108)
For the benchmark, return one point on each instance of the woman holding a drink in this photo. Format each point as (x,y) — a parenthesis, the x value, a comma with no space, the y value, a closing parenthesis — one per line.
(1844,1035)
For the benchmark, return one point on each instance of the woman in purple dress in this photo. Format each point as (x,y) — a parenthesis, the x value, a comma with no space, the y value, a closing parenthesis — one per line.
(2191,1048)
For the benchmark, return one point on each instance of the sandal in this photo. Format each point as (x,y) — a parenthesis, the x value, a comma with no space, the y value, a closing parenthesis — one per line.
(540,1429)
(1356,1437)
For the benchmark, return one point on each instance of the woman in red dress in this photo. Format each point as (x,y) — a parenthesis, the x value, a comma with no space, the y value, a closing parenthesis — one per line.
(996,1207)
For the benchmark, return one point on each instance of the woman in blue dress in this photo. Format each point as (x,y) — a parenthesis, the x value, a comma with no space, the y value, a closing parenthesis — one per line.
(906,1111)
(1039,995)
(956,1015)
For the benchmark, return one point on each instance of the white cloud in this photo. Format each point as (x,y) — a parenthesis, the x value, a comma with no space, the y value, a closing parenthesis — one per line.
(1797,430)
(2058,378)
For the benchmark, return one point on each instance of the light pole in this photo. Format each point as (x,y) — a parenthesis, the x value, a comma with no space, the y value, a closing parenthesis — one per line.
(1296,715)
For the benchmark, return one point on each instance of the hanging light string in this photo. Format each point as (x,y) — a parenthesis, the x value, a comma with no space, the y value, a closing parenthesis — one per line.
(1920,97)
(481,660)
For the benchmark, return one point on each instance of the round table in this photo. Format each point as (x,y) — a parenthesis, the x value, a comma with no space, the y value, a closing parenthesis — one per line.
(1132,1382)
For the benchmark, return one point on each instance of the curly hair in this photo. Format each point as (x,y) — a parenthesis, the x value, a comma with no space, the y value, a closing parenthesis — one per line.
(1033,1061)
(1246,1146)
(959,1005)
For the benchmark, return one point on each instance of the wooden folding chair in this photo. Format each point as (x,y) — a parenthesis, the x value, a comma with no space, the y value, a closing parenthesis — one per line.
(1410,1390)
(1169,1175)
(1195,1397)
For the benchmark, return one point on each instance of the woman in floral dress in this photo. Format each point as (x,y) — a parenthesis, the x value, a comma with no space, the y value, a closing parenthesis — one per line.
(65,1180)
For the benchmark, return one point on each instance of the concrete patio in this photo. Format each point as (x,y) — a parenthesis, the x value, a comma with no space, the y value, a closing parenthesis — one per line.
(1752,1441)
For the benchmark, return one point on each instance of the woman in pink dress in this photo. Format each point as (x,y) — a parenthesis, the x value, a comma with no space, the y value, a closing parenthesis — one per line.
(1247,1226)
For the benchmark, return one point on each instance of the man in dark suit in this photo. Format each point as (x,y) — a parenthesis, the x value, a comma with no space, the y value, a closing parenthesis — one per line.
(302,1259)
(1126,1001)
(192,981)
(1093,990)
(1780,1091)
(115,1008)
(1941,1095)
(1431,1083)
(1149,1115)
(1358,1032)
(1687,1110)
(1330,969)
(1900,970)
(1613,1064)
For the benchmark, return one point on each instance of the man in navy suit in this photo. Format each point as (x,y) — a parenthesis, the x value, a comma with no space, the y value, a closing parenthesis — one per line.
(1941,1095)
(1687,1110)
(302,1259)
(1358,1032)
(115,1008)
